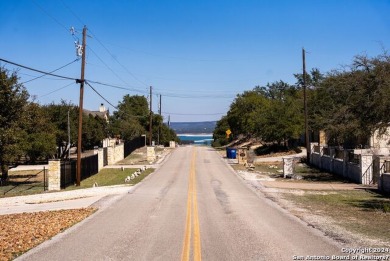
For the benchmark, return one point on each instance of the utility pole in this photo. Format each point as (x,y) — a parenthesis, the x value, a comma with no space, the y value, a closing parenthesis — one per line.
(159,124)
(150,118)
(68,135)
(307,138)
(80,133)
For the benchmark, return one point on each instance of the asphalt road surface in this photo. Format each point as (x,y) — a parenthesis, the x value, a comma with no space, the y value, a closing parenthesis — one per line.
(193,207)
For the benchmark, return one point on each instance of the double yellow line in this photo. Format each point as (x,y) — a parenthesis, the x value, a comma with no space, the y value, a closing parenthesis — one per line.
(192,215)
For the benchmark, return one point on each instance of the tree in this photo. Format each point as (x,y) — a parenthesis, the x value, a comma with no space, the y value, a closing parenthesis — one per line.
(131,119)
(350,104)
(58,116)
(41,138)
(219,134)
(94,131)
(13,100)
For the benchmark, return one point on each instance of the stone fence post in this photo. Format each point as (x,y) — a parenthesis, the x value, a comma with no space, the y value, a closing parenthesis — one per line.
(54,175)
(100,159)
(288,166)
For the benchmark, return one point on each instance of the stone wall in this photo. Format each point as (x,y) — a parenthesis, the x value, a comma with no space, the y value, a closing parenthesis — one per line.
(115,154)
(362,172)
(54,175)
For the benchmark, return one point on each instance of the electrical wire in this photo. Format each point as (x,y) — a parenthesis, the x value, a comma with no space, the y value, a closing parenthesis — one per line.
(115,59)
(63,87)
(119,87)
(104,47)
(51,71)
(101,96)
(108,67)
(36,70)
(115,107)
(48,14)
(195,114)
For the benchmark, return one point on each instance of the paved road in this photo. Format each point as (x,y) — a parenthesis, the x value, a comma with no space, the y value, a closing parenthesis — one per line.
(193,207)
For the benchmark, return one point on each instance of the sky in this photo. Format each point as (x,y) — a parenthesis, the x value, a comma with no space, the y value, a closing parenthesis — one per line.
(198,55)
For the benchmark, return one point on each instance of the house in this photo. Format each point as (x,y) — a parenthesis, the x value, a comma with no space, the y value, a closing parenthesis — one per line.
(102,112)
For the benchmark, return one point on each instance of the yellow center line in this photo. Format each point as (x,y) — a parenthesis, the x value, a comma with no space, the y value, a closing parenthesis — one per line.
(192,214)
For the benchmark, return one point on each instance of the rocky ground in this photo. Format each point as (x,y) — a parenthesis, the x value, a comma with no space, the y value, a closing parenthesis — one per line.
(21,232)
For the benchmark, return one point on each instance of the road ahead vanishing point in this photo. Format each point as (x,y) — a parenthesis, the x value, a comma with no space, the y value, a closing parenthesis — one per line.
(193,207)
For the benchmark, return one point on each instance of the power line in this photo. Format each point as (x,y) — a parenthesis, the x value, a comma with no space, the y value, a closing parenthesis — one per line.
(101,96)
(104,47)
(108,67)
(48,14)
(196,114)
(63,87)
(36,70)
(118,87)
(115,59)
(51,71)
(121,87)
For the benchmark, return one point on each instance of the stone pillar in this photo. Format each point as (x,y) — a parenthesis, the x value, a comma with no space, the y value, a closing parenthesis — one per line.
(366,169)
(288,166)
(110,155)
(100,159)
(312,144)
(150,154)
(322,138)
(54,175)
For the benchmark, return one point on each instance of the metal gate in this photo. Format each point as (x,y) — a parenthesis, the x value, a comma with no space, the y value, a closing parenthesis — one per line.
(68,172)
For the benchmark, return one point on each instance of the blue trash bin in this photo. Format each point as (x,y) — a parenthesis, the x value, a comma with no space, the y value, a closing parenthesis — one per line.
(231,153)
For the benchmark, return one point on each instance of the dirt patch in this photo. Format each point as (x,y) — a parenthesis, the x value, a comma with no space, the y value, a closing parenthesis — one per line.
(348,213)
(21,232)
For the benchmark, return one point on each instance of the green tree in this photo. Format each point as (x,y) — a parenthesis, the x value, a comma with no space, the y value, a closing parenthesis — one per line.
(131,119)
(13,100)
(94,131)
(58,116)
(219,134)
(41,139)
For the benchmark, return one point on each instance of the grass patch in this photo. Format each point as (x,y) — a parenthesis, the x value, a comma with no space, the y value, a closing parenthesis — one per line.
(110,177)
(315,175)
(23,182)
(359,211)
(275,148)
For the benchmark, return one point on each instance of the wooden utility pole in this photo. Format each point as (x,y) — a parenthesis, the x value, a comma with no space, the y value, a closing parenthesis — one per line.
(150,118)
(80,130)
(307,138)
(159,124)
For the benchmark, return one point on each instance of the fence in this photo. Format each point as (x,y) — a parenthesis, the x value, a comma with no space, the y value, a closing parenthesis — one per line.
(68,172)
(89,167)
(133,144)
(356,167)
(64,172)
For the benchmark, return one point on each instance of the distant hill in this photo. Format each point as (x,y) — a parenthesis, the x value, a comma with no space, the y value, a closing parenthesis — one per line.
(193,127)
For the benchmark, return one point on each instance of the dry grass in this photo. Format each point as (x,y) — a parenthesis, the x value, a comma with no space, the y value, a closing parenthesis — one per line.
(21,232)
(365,214)
(25,182)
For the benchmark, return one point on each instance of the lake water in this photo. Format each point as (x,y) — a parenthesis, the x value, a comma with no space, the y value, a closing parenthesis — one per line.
(198,139)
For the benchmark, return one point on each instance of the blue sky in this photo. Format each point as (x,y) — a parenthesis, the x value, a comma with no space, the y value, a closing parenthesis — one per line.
(197,54)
